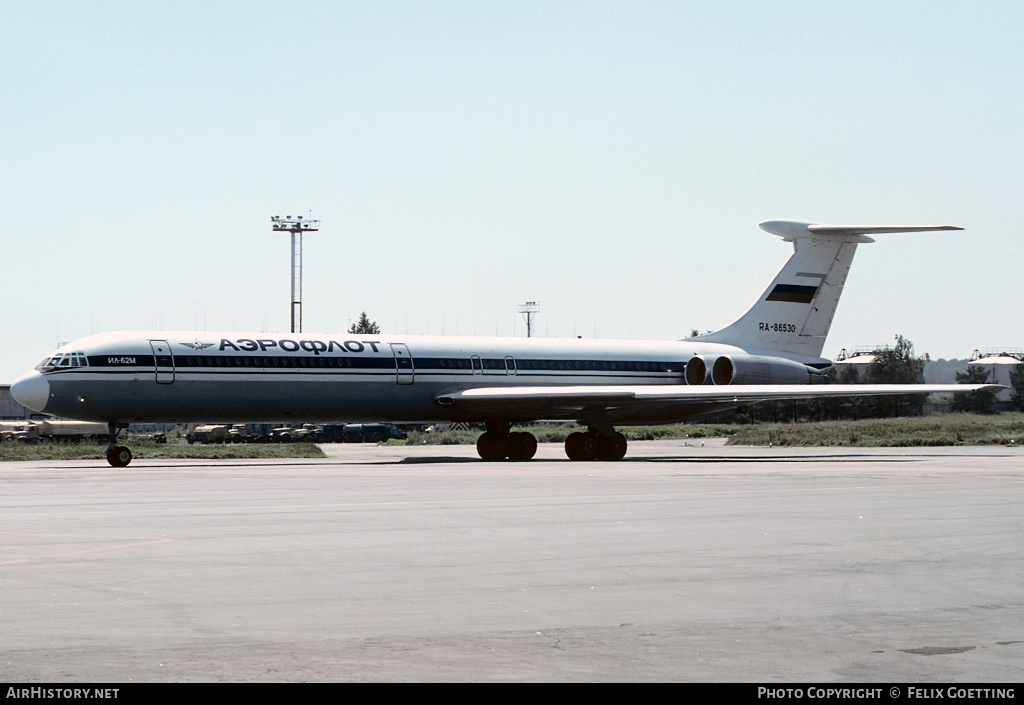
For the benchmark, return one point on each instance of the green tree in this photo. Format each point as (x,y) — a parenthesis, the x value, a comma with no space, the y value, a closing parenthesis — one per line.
(897,365)
(364,326)
(974,402)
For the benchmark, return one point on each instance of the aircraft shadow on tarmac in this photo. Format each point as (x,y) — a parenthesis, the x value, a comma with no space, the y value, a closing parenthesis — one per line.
(687,459)
(437,459)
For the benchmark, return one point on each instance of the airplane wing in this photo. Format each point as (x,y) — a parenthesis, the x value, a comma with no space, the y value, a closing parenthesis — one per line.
(572,401)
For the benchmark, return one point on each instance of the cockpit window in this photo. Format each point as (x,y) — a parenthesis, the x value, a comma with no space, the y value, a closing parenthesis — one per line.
(63,361)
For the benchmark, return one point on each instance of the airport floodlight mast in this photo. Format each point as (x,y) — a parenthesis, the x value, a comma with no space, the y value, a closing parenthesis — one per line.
(529,310)
(296,226)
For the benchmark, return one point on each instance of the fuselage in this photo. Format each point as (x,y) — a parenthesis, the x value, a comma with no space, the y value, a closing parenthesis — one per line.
(160,376)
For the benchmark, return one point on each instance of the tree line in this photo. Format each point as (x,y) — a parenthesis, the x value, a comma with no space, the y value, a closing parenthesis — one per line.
(891,365)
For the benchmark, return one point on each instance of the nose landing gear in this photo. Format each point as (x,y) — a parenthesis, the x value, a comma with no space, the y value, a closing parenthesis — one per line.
(117,456)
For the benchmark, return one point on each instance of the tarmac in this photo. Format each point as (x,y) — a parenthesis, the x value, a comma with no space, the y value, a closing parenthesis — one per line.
(684,562)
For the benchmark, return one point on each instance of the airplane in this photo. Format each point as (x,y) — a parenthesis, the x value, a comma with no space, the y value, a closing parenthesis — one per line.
(771,352)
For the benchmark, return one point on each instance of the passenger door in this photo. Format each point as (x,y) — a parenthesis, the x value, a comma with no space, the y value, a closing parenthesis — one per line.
(163,360)
(404,369)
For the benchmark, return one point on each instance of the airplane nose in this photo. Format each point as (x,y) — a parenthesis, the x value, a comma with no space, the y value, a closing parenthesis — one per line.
(31,390)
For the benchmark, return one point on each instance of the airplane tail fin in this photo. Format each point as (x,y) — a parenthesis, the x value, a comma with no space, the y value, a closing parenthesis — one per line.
(795,312)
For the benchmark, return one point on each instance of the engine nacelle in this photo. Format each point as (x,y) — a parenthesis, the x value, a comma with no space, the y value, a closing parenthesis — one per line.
(696,371)
(756,369)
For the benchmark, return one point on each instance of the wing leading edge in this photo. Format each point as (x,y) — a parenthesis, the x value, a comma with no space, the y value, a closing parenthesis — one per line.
(565,402)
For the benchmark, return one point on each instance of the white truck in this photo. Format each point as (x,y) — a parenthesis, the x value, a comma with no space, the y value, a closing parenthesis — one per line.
(52,430)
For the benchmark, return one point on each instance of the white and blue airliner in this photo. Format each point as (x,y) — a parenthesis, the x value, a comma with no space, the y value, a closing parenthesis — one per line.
(772,352)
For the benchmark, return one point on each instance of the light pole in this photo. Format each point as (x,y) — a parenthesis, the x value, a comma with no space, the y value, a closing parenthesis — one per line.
(296,226)
(529,310)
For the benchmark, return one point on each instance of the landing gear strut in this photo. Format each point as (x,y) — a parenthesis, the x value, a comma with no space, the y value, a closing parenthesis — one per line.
(118,456)
(497,443)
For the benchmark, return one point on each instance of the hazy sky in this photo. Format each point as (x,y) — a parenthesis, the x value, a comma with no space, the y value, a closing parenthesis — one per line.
(610,160)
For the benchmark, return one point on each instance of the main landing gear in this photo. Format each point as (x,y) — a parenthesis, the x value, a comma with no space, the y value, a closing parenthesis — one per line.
(595,446)
(498,443)
(118,456)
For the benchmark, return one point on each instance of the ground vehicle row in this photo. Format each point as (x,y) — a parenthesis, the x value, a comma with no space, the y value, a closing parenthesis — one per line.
(310,433)
(52,430)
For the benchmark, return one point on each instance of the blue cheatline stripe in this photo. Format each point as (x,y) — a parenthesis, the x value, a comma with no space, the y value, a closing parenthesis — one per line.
(794,293)
(268,363)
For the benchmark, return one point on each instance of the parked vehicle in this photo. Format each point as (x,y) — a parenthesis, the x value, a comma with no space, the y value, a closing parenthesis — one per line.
(208,433)
(372,432)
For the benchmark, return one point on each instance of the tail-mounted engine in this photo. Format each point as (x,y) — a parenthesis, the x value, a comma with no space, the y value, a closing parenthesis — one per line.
(746,369)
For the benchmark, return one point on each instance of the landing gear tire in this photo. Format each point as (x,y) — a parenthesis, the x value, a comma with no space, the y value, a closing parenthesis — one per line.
(517,447)
(119,456)
(592,446)
(611,447)
(492,447)
(581,446)
(521,446)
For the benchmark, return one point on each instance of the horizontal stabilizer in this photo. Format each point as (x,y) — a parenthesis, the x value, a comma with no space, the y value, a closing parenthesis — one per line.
(794,229)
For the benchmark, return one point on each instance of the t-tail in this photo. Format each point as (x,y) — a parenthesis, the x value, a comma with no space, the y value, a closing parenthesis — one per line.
(795,312)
